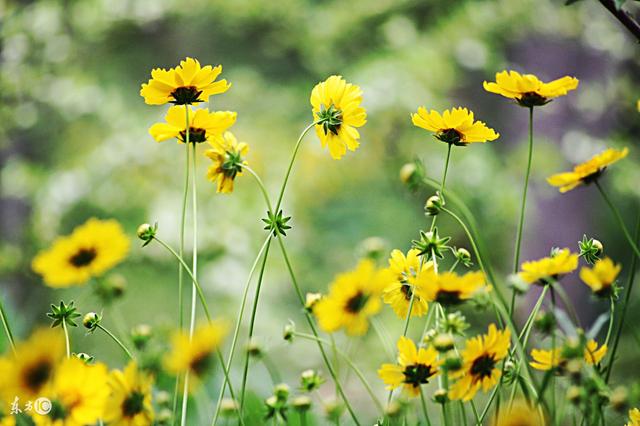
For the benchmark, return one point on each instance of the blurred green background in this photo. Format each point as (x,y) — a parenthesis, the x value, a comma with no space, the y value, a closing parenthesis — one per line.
(74,144)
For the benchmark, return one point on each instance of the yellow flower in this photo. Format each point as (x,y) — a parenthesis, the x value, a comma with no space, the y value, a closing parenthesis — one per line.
(78,395)
(92,249)
(519,414)
(601,277)
(545,360)
(587,172)
(129,403)
(403,271)
(416,366)
(203,125)
(353,297)
(480,358)
(455,126)
(449,288)
(188,83)
(195,355)
(527,89)
(634,414)
(29,372)
(548,268)
(337,110)
(7,419)
(227,156)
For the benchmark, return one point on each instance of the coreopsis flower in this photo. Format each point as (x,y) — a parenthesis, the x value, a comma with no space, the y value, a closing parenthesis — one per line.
(449,288)
(353,297)
(92,249)
(337,114)
(587,172)
(188,83)
(634,413)
(195,355)
(227,157)
(527,89)
(78,395)
(416,366)
(548,269)
(456,126)
(545,360)
(29,372)
(520,413)
(203,124)
(480,357)
(7,419)
(403,271)
(601,277)
(129,403)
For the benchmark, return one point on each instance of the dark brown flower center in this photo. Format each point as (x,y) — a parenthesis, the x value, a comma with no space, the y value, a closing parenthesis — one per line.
(448,298)
(186,95)
(133,404)
(483,366)
(356,303)
(83,257)
(451,136)
(406,290)
(417,374)
(35,376)
(196,135)
(201,364)
(532,99)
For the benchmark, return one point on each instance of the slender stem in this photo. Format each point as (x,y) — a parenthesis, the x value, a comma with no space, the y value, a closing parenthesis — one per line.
(442,184)
(272,369)
(236,332)
(66,337)
(623,16)
(263,189)
(408,318)
(612,310)
(618,218)
(7,328)
(383,337)
(425,412)
(553,352)
(115,339)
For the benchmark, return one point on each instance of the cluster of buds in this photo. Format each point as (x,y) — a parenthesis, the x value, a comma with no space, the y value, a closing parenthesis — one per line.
(164,416)
(278,403)
(454,323)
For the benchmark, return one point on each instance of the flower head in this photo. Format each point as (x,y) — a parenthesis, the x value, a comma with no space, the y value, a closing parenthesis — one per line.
(449,288)
(634,414)
(588,171)
(188,83)
(92,249)
(480,359)
(129,403)
(337,112)
(353,297)
(520,413)
(403,272)
(601,277)
(455,126)
(545,360)
(227,157)
(549,268)
(416,366)
(203,124)
(527,89)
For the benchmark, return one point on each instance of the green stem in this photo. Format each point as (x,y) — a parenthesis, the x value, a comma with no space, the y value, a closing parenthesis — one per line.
(115,339)
(442,184)
(7,328)
(612,311)
(425,412)
(553,351)
(66,337)
(272,369)
(619,219)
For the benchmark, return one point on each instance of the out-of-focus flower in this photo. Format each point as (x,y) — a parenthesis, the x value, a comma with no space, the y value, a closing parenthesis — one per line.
(129,403)
(403,271)
(353,297)
(547,359)
(338,114)
(634,414)
(520,413)
(549,268)
(448,288)
(480,359)
(227,157)
(188,83)
(456,126)
(203,125)
(587,172)
(527,89)
(195,355)
(416,366)
(92,249)
(601,277)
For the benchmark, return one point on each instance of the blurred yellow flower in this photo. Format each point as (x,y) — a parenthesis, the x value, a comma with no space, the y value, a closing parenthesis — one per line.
(544,359)
(449,288)
(403,271)
(337,110)
(634,414)
(78,395)
(129,403)
(548,269)
(416,366)
(7,419)
(455,126)
(188,83)
(203,125)
(527,89)
(520,413)
(480,358)
(588,171)
(29,372)
(227,157)
(601,277)
(353,297)
(195,355)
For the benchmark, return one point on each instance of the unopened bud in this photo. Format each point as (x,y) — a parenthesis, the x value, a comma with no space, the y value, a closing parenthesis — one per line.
(301,403)
(289,331)
(228,407)
(443,342)
(140,335)
(84,357)
(147,232)
(619,399)
(310,380)
(407,172)
(433,205)
(254,349)
(91,321)
(440,396)
(311,299)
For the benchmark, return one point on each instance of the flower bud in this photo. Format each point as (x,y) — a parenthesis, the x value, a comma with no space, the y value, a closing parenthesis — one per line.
(281,391)
(164,417)
(574,394)
(463,256)
(140,335)
(519,285)
(84,357)
(407,172)
(545,322)
(228,407)
(163,399)
(310,380)
(373,248)
(619,399)
(289,331)
(440,396)
(452,362)
(254,349)
(111,288)
(147,232)
(443,342)
(311,299)
(333,410)
(301,403)
(433,205)
(91,321)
